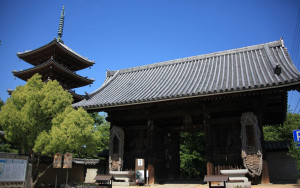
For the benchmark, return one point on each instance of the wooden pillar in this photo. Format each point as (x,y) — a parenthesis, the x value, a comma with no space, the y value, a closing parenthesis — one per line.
(209,157)
(173,158)
(150,152)
(265,178)
(151,173)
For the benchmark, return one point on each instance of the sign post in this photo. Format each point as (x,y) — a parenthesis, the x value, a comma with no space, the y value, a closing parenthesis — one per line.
(296,134)
(57,164)
(67,163)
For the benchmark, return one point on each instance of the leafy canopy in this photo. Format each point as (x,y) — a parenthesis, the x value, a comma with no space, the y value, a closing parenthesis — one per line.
(72,131)
(285,132)
(4,146)
(39,119)
(103,127)
(192,154)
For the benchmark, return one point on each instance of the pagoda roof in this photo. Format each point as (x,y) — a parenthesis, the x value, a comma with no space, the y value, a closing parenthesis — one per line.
(39,55)
(253,68)
(52,69)
(77,97)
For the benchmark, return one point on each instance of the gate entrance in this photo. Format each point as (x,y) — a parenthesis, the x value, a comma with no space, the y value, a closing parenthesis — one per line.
(192,155)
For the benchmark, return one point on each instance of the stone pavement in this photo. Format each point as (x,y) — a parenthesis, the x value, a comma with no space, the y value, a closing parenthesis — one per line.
(206,186)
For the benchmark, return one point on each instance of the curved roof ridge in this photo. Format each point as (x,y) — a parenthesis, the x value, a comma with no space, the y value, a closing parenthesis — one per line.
(39,48)
(203,56)
(60,44)
(75,53)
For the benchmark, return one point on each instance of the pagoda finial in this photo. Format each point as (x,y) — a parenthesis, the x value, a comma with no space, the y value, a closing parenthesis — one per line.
(61,25)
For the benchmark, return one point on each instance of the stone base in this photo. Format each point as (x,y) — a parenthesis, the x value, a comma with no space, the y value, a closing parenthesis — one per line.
(238,184)
(90,175)
(126,184)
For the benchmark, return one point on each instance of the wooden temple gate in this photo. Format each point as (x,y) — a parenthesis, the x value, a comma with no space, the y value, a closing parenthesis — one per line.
(152,131)
(228,95)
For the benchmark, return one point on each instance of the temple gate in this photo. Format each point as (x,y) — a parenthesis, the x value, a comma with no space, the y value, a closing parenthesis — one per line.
(228,95)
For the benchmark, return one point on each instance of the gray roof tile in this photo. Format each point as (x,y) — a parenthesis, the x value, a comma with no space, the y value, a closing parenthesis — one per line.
(242,69)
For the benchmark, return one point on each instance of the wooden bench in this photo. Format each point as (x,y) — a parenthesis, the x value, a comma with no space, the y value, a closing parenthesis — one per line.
(216,178)
(104,180)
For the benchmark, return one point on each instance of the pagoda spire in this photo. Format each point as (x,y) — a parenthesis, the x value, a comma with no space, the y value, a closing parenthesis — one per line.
(61,25)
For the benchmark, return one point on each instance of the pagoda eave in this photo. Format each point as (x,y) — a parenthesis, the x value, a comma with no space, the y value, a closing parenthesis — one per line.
(54,71)
(76,97)
(57,51)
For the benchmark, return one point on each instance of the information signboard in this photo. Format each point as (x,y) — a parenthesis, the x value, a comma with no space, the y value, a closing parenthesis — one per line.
(12,170)
(139,171)
(296,134)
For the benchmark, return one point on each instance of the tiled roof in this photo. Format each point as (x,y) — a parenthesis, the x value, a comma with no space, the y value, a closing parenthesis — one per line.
(85,161)
(63,46)
(277,145)
(23,74)
(250,68)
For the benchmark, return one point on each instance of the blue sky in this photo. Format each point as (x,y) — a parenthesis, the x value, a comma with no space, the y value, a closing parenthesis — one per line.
(125,33)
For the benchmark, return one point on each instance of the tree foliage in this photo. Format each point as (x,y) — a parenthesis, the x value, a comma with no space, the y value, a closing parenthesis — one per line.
(1,103)
(294,152)
(103,127)
(192,154)
(39,120)
(72,131)
(30,111)
(285,132)
(4,145)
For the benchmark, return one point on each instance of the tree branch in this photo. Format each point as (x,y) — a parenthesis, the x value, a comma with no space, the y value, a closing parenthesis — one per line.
(37,165)
(42,173)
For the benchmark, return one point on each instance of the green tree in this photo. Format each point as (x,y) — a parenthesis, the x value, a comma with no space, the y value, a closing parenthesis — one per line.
(103,127)
(39,119)
(4,145)
(294,151)
(1,103)
(294,123)
(192,154)
(285,132)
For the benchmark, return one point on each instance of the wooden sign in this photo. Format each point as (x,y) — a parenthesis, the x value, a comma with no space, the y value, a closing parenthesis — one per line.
(57,160)
(67,160)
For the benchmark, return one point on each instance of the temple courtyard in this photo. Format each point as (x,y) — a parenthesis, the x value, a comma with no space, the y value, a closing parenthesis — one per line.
(206,186)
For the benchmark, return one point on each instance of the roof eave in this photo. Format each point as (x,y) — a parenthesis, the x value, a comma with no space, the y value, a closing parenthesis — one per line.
(51,61)
(23,55)
(188,97)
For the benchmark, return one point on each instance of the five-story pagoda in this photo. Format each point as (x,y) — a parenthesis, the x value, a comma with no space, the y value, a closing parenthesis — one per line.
(56,61)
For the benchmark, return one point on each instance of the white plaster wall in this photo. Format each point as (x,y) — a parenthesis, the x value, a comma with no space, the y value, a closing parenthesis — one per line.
(90,175)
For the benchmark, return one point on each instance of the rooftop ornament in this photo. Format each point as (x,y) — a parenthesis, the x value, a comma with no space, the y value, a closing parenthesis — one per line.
(61,25)
(277,70)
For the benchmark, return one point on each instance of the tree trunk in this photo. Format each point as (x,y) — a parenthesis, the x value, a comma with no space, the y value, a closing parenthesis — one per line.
(35,175)
(33,182)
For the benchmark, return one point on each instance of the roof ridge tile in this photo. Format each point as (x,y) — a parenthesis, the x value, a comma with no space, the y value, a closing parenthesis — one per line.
(202,56)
